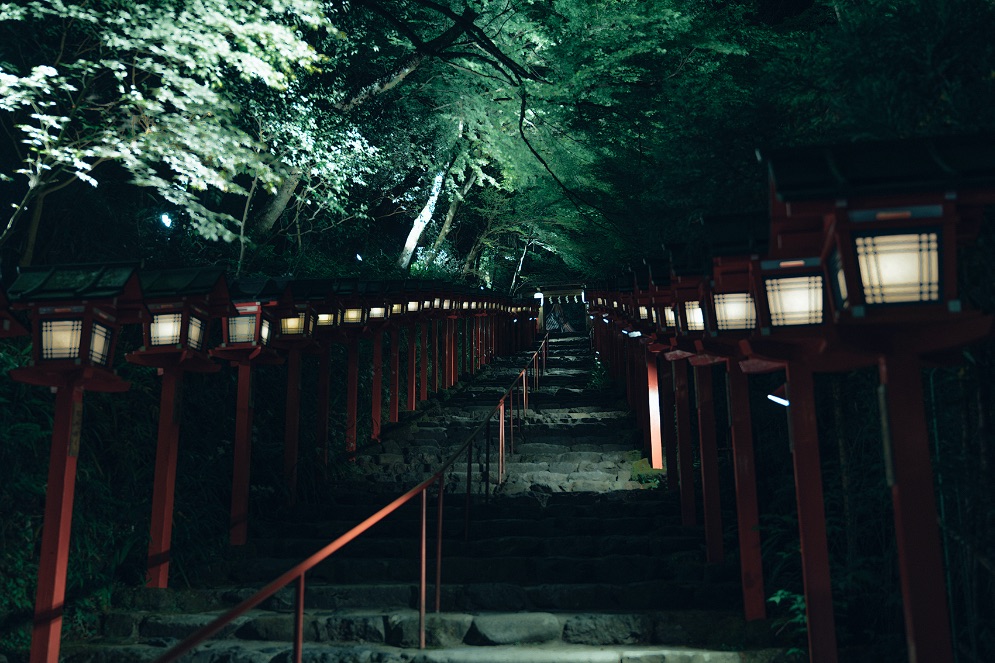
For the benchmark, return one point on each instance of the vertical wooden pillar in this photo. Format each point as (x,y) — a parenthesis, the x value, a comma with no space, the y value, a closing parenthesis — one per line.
(292,423)
(163,489)
(685,462)
(352,392)
(811,515)
(447,355)
(395,374)
(668,421)
(46,634)
(745,474)
(239,524)
(462,346)
(920,555)
(435,356)
(377,395)
(423,363)
(412,366)
(711,507)
(324,379)
(653,409)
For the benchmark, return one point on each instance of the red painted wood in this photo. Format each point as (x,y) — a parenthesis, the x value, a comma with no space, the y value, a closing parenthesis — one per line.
(423,363)
(811,515)
(669,424)
(711,504)
(238,529)
(412,366)
(920,558)
(745,474)
(352,393)
(435,356)
(653,408)
(394,403)
(46,633)
(462,331)
(291,431)
(324,382)
(377,395)
(685,464)
(163,488)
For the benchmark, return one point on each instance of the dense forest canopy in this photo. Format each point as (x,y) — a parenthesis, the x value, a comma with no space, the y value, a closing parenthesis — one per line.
(501,142)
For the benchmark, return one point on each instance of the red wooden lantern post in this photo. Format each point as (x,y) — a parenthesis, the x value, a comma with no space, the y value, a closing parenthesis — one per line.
(75,314)
(412,315)
(894,215)
(246,337)
(731,315)
(182,303)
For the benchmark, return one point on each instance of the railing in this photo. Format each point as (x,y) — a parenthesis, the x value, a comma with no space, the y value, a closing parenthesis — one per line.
(517,393)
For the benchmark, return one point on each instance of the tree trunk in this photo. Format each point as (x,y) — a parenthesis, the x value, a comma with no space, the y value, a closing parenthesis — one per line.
(264,222)
(420,222)
(454,205)
(471,258)
(521,261)
(29,250)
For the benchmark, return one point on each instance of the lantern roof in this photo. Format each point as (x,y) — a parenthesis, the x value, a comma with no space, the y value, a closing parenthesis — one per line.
(882,167)
(259,288)
(311,290)
(77,283)
(207,282)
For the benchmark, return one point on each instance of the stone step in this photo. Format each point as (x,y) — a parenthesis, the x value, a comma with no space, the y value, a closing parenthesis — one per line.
(452,637)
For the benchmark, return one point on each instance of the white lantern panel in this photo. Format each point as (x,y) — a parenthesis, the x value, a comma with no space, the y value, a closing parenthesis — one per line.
(378,312)
(644,313)
(195,333)
(293,325)
(165,329)
(735,310)
(396,309)
(899,268)
(100,344)
(795,300)
(242,329)
(352,315)
(412,307)
(695,316)
(670,317)
(326,319)
(264,332)
(60,338)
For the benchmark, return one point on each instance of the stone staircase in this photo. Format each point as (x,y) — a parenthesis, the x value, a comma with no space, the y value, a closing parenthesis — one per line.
(569,560)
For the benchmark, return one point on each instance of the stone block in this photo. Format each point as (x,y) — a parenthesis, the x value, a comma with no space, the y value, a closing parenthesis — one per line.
(515,628)
(608,629)
(354,628)
(441,629)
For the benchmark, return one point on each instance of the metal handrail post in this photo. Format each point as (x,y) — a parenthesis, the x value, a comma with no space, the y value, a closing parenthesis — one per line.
(438,546)
(299,621)
(423,579)
(511,419)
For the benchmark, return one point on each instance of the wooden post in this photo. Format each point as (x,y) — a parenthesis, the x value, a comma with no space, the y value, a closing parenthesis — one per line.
(394,404)
(242,457)
(745,474)
(46,634)
(685,464)
(653,408)
(412,365)
(667,418)
(377,394)
(435,356)
(324,380)
(163,489)
(811,515)
(423,363)
(910,475)
(291,434)
(711,507)
(352,392)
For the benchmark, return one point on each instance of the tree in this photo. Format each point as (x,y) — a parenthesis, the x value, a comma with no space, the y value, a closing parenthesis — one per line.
(143,85)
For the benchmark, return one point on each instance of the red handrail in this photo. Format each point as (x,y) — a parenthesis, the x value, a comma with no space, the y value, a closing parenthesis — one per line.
(298,572)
